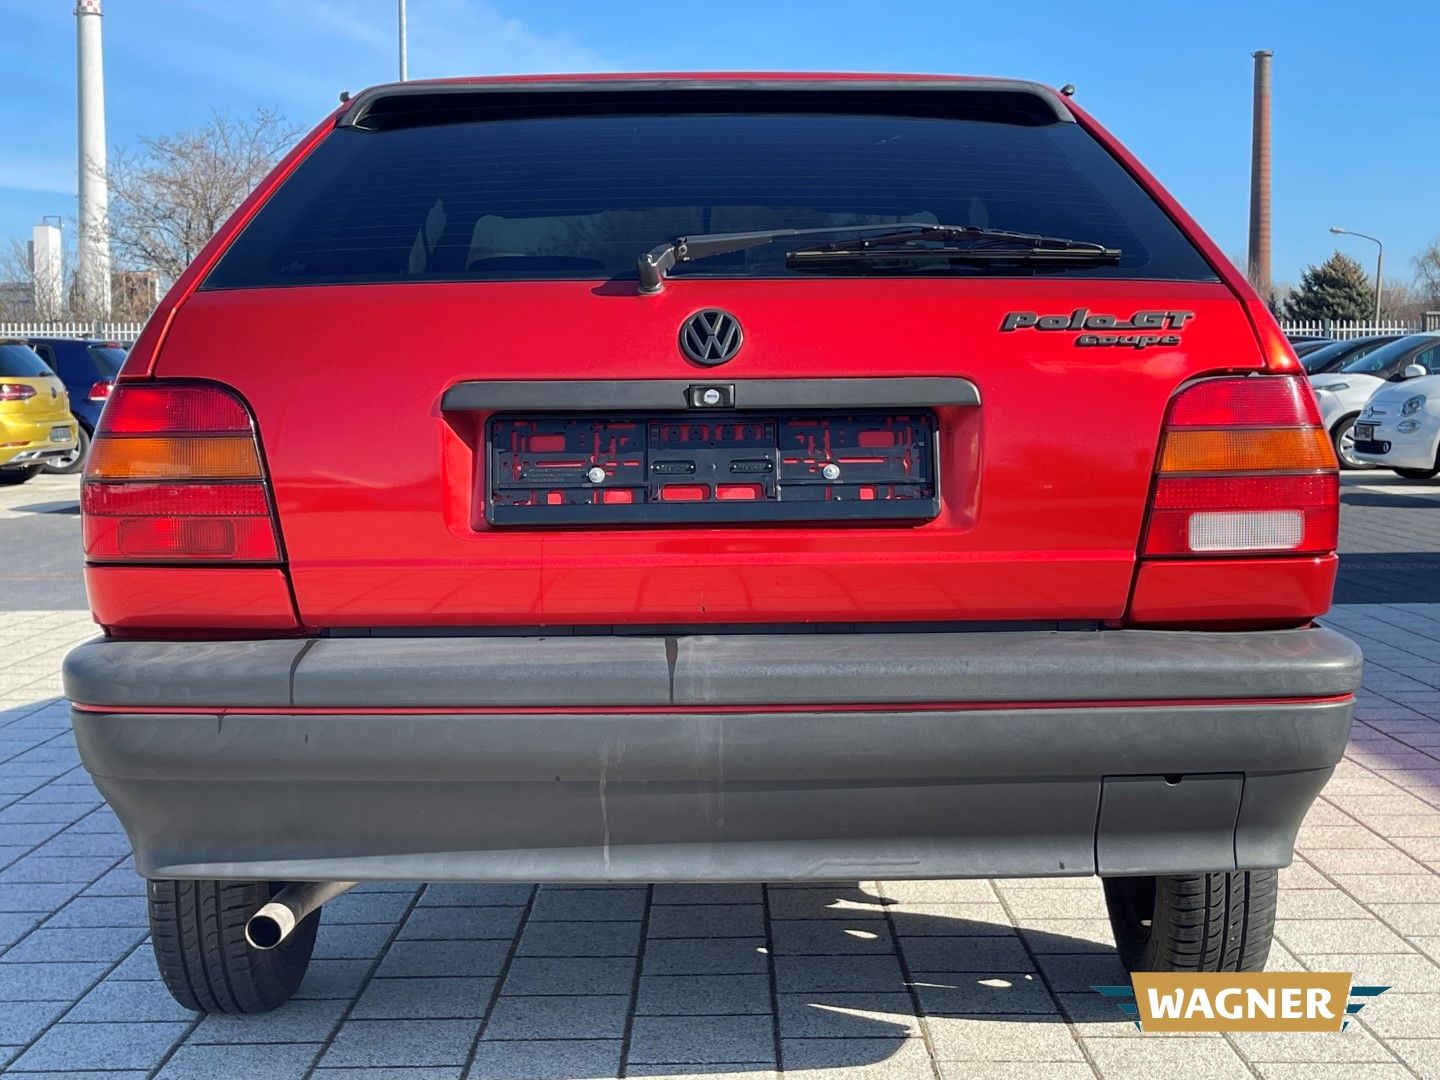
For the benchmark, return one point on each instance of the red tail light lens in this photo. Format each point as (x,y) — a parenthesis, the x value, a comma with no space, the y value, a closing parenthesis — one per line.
(16,391)
(100,391)
(175,475)
(1245,468)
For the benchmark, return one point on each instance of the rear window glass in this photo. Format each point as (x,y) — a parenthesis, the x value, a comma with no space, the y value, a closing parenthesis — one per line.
(1387,359)
(22,362)
(582,196)
(107,359)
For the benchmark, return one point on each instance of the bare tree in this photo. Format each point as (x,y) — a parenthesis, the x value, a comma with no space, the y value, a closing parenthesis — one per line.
(170,194)
(1427,273)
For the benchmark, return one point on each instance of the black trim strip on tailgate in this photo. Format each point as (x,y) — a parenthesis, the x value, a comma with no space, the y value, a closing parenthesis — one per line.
(616,395)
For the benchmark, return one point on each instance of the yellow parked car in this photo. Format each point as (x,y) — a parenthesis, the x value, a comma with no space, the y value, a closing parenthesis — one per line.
(35,421)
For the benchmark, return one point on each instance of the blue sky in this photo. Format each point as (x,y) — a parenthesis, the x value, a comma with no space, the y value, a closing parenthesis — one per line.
(1356,120)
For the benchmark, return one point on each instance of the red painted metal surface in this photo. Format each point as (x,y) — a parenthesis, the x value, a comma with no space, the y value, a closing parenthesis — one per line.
(139,600)
(1043,486)
(1232,593)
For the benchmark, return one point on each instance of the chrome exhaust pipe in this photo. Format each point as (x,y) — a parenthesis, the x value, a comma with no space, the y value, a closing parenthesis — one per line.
(277,920)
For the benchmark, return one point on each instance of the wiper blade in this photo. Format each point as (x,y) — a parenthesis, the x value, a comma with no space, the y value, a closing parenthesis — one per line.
(964,243)
(655,262)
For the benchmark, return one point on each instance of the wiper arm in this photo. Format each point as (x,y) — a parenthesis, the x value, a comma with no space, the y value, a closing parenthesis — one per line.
(653,265)
(963,242)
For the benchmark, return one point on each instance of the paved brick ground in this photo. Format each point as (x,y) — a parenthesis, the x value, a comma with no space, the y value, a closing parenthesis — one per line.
(870,979)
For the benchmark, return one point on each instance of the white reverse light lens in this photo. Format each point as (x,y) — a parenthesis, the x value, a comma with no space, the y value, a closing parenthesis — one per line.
(1247,530)
(1413,405)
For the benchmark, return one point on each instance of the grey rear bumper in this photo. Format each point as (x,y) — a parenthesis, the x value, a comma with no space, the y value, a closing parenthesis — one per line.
(777,757)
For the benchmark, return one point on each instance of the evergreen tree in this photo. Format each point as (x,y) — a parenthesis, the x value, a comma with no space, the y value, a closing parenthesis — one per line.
(1336,289)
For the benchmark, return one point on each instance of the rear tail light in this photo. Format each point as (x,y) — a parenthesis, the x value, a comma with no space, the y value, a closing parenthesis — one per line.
(1245,467)
(15,391)
(100,391)
(175,475)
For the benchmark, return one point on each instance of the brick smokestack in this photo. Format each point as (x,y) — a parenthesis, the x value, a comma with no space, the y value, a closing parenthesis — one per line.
(1259,254)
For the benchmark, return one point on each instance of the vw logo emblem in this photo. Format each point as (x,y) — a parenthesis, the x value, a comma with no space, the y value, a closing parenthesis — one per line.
(711,336)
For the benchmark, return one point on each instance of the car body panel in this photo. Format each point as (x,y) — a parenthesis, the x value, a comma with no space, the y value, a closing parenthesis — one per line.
(1417,445)
(28,427)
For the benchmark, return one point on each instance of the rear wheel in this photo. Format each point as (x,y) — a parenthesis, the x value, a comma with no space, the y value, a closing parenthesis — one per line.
(1193,922)
(74,461)
(198,930)
(11,477)
(1343,436)
(1418,474)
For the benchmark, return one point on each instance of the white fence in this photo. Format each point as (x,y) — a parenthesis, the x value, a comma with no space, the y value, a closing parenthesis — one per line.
(105,331)
(1340,331)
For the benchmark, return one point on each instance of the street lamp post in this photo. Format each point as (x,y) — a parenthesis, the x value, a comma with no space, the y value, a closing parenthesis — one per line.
(1379,261)
(404,60)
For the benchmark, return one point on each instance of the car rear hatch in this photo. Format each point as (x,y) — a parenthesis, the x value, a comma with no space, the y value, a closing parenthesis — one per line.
(32,400)
(473,416)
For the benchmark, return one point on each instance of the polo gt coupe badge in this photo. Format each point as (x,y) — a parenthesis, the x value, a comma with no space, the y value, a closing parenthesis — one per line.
(711,336)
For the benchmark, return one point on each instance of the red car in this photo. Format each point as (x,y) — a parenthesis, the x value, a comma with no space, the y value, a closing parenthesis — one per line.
(722,477)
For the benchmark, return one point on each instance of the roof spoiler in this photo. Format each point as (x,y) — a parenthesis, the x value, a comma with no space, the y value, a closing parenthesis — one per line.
(410,103)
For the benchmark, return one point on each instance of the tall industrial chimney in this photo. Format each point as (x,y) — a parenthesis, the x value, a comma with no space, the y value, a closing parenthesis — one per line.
(92,271)
(1259,255)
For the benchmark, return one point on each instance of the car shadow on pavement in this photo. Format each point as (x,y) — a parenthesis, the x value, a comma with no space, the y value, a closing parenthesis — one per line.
(1388,577)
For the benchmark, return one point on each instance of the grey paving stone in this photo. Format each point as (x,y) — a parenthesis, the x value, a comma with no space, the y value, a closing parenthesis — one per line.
(894,1058)
(707,920)
(459,923)
(101,911)
(16,924)
(402,1042)
(257,1060)
(68,1048)
(719,956)
(700,995)
(45,945)
(829,937)
(702,1039)
(295,1021)
(582,975)
(21,1021)
(369,907)
(445,998)
(590,1016)
(961,993)
(951,920)
(122,881)
(1001,1038)
(99,845)
(1202,1059)
(566,1059)
(847,1016)
(352,941)
(41,898)
(52,869)
(588,905)
(47,982)
(140,964)
(444,958)
(441,1072)
(580,939)
(328,979)
(445,895)
(673,893)
(983,954)
(128,1000)
(818,974)
(1080,973)
(847,904)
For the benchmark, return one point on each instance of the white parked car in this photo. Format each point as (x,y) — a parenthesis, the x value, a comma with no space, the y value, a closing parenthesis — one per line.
(1400,426)
(1342,394)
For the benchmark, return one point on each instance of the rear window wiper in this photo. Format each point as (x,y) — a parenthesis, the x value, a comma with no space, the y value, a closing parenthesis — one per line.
(957,243)
(895,240)
(655,262)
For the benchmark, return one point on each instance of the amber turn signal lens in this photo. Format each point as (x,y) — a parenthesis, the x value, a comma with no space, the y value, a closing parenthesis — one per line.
(1247,450)
(207,457)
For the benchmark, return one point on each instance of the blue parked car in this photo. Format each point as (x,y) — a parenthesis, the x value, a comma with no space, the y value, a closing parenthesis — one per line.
(87,368)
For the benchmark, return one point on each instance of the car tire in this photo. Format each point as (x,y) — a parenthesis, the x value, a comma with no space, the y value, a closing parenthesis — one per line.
(1193,922)
(1418,474)
(1341,435)
(198,930)
(75,461)
(11,477)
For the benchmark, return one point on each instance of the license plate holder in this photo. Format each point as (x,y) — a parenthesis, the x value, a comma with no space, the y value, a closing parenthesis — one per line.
(60,434)
(1364,431)
(719,468)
